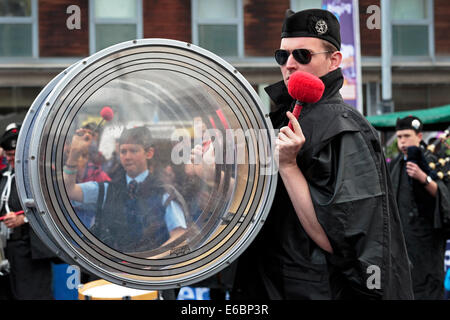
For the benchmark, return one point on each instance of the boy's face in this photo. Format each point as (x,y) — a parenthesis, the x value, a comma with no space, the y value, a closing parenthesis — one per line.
(408,138)
(133,158)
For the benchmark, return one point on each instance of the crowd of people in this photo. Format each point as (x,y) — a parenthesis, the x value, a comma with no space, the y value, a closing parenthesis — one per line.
(340,211)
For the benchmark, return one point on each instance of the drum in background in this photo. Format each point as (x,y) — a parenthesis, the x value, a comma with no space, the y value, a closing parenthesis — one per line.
(104,290)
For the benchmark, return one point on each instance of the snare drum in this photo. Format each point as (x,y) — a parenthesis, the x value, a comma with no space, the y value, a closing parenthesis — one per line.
(104,290)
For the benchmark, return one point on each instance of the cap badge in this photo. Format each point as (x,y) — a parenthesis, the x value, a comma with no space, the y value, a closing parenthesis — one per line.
(321,27)
(416,124)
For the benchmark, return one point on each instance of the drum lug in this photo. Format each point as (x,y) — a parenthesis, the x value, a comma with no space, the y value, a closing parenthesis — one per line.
(29,203)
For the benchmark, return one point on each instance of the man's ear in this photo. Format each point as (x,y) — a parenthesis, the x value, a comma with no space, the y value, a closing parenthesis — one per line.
(336,60)
(150,153)
(420,136)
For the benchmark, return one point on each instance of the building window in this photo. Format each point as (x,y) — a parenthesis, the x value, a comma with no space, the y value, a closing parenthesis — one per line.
(412,28)
(298,5)
(18,28)
(217,26)
(114,21)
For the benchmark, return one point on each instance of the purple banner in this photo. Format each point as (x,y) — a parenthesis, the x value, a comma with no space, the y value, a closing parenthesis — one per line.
(348,15)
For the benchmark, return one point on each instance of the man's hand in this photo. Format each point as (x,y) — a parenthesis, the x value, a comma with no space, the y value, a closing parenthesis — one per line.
(12,220)
(203,163)
(289,143)
(81,142)
(414,171)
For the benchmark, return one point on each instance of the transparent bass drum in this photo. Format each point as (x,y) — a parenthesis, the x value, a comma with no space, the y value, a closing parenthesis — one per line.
(149,163)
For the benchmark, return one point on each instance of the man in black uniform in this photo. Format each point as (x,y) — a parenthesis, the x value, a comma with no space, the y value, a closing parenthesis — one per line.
(333,231)
(424,207)
(29,258)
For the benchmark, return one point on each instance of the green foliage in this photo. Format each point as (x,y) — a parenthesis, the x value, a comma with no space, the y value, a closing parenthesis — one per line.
(391,151)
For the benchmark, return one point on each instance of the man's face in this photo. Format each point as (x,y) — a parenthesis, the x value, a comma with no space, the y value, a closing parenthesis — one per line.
(133,158)
(10,157)
(320,64)
(407,138)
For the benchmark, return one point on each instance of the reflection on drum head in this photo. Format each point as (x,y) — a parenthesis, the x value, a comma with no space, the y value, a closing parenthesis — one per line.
(149,164)
(139,199)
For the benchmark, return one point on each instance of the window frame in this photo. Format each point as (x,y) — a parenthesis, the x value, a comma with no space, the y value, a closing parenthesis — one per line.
(428,22)
(238,21)
(33,21)
(93,22)
(293,5)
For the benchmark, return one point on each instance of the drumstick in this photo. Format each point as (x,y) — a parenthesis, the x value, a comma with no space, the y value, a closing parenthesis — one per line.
(16,213)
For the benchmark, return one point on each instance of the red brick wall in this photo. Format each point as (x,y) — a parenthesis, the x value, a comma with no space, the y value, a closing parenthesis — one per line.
(167,19)
(442,27)
(262,26)
(55,39)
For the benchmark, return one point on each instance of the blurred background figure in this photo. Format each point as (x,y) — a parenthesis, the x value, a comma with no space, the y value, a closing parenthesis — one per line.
(30,260)
(424,206)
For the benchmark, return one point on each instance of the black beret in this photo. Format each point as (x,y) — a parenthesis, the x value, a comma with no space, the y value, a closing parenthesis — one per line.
(315,23)
(9,139)
(137,135)
(409,122)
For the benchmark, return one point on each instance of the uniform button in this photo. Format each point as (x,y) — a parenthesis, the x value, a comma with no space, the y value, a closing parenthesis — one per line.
(345,115)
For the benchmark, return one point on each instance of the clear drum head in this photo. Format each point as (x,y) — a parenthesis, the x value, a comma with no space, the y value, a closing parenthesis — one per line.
(149,163)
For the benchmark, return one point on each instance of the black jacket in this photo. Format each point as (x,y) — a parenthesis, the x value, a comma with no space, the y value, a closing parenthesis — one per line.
(24,232)
(352,196)
(425,221)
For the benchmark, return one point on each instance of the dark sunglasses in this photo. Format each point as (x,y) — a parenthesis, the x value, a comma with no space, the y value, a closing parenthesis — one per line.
(302,56)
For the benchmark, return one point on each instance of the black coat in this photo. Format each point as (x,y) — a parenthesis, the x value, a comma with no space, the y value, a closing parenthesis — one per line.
(351,192)
(37,248)
(30,259)
(425,221)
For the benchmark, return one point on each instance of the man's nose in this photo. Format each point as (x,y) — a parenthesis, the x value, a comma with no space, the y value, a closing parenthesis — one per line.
(291,63)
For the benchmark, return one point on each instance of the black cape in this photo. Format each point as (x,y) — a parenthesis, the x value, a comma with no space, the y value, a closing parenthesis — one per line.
(30,259)
(352,196)
(426,221)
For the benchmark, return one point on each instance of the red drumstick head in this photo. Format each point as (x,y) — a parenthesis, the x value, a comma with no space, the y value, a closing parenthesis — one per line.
(107,113)
(305,87)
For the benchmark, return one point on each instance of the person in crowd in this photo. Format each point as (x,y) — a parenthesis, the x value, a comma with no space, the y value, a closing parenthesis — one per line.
(89,168)
(133,214)
(333,231)
(424,206)
(30,260)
